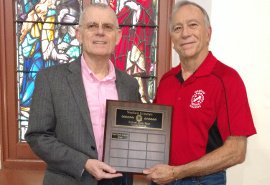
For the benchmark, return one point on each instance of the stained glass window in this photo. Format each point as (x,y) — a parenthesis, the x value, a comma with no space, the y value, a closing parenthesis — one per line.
(46,37)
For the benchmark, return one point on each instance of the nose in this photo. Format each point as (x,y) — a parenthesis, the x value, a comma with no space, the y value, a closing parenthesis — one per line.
(186,31)
(100,29)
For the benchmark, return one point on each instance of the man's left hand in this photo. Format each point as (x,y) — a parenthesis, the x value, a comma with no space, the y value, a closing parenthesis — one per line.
(160,174)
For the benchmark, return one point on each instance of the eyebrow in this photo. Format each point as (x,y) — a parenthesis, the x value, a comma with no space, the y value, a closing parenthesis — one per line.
(188,21)
(102,23)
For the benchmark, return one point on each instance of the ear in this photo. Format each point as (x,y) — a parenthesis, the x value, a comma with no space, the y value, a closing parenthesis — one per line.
(78,35)
(118,35)
(209,32)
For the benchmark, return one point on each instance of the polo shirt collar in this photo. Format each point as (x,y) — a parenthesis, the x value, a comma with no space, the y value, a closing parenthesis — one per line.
(203,70)
(207,66)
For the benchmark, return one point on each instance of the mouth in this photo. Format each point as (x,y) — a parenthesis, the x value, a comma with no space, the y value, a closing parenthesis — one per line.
(99,42)
(187,44)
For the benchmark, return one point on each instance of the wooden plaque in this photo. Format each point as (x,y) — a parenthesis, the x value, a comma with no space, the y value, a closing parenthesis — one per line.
(137,135)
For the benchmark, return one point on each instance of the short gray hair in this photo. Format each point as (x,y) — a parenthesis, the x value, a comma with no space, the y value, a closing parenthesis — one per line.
(95,5)
(180,4)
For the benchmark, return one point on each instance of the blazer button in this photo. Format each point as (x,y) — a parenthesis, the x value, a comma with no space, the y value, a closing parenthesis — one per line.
(93,148)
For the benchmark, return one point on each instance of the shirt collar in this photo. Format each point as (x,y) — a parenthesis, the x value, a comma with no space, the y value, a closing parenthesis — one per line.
(207,66)
(203,70)
(87,71)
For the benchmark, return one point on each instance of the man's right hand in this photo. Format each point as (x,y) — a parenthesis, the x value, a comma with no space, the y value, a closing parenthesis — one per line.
(101,170)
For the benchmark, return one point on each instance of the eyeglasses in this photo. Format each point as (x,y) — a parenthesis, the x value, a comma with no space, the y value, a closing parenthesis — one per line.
(106,27)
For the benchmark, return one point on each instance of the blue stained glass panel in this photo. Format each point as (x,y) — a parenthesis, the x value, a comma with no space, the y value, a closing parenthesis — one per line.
(45,37)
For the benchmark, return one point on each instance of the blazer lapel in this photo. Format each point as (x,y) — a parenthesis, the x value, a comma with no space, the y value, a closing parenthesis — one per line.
(76,84)
(120,87)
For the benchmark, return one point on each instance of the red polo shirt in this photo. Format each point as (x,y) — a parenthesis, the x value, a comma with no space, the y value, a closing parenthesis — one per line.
(208,107)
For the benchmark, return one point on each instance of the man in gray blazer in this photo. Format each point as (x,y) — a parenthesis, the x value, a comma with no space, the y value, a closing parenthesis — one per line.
(67,117)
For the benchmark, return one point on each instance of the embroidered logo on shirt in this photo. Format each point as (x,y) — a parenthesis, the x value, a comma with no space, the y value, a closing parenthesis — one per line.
(197,99)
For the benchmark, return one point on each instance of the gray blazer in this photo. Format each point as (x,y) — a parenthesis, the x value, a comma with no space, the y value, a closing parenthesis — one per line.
(60,130)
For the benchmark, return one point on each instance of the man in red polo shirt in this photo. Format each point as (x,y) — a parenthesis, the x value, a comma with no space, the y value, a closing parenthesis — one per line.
(211,115)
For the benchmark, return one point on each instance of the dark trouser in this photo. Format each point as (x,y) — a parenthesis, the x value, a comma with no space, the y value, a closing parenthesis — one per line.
(213,179)
(126,179)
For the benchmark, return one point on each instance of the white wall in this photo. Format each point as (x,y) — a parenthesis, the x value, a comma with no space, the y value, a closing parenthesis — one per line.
(241,38)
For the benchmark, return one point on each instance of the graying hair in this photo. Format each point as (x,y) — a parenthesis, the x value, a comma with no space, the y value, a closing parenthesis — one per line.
(97,5)
(180,4)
